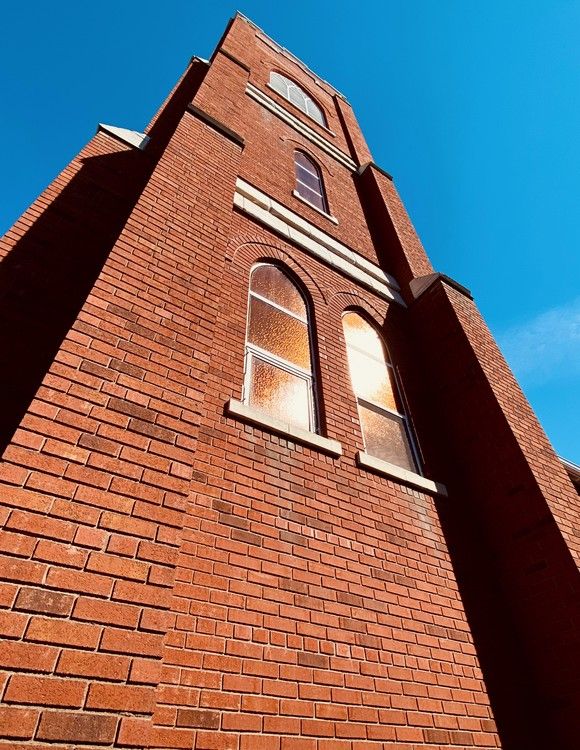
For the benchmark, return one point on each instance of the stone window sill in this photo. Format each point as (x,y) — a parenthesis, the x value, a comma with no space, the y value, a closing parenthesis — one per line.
(396,472)
(263,420)
(330,217)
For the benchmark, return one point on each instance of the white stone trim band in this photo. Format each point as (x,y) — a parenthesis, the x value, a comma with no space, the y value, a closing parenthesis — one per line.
(131,137)
(282,220)
(265,101)
(397,472)
(263,420)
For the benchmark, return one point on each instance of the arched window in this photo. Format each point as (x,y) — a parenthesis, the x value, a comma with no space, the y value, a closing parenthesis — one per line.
(309,181)
(278,356)
(292,91)
(383,422)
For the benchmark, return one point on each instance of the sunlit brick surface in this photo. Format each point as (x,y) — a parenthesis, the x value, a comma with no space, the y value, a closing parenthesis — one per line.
(174,578)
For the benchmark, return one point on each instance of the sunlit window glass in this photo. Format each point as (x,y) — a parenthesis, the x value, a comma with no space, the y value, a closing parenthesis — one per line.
(278,358)
(384,425)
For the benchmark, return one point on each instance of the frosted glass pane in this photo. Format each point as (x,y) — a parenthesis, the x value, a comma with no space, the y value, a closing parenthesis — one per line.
(371,379)
(280,393)
(272,283)
(278,333)
(361,334)
(386,438)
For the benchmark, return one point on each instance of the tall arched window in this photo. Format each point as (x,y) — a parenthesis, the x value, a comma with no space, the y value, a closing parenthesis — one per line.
(309,183)
(292,91)
(278,355)
(383,422)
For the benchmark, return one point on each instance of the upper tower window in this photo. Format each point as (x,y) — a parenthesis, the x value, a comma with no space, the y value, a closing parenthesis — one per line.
(278,358)
(309,181)
(383,422)
(292,91)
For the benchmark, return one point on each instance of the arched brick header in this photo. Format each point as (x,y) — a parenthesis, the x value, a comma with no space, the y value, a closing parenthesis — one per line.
(251,250)
(317,157)
(341,301)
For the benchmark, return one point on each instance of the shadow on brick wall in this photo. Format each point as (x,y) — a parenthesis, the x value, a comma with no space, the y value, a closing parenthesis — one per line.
(47,275)
(517,579)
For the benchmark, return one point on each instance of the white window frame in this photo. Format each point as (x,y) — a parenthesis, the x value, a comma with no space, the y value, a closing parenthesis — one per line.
(252,351)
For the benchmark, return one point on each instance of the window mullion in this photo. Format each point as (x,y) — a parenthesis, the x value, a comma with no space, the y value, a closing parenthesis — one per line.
(380,408)
(278,361)
(257,295)
(308,169)
(310,189)
(380,360)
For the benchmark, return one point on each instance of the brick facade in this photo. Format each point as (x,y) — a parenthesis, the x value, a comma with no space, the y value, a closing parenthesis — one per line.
(175,576)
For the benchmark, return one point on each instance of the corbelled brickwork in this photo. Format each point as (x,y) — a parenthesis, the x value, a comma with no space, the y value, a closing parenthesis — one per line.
(175,577)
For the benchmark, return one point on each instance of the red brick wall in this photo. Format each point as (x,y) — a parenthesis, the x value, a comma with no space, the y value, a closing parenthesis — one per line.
(399,248)
(324,611)
(175,578)
(96,477)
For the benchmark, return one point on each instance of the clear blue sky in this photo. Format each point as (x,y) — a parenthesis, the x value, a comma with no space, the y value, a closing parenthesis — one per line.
(473,106)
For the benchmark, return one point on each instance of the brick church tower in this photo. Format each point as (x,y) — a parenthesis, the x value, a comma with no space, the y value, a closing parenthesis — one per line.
(267,481)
